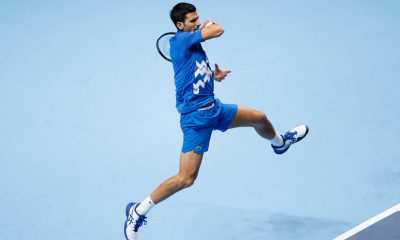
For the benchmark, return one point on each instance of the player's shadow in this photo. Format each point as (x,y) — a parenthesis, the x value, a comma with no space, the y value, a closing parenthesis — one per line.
(238,224)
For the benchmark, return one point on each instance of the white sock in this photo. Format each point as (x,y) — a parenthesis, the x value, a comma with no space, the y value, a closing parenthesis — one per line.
(277,141)
(145,206)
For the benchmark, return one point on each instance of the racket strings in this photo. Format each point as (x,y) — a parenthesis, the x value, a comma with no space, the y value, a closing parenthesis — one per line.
(163,45)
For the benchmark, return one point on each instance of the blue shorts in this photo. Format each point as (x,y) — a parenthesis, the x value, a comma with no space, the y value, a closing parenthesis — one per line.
(197,126)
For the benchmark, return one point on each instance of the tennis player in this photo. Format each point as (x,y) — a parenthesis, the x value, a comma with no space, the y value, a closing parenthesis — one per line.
(200,112)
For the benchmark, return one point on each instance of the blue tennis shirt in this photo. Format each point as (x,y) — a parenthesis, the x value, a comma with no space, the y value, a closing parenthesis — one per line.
(194,79)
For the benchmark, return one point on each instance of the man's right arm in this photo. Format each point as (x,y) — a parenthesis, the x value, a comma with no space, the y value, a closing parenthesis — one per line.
(211,31)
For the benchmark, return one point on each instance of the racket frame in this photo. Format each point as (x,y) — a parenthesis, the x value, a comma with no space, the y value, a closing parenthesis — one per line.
(158,47)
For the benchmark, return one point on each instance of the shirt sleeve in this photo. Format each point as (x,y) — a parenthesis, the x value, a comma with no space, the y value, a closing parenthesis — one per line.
(189,39)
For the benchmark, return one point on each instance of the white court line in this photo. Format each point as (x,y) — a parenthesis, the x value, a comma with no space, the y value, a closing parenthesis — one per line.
(368,223)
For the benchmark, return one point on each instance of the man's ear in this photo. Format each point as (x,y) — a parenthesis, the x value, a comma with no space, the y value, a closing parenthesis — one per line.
(180,25)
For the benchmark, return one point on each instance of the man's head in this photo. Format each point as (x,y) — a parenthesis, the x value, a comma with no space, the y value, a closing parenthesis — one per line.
(184,17)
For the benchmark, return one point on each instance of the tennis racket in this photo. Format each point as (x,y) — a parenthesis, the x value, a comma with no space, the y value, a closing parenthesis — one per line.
(163,47)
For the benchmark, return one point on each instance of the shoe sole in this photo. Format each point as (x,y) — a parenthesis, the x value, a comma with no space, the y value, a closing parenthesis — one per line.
(299,139)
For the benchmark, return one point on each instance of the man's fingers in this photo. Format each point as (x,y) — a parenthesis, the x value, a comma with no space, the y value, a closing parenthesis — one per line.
(207,23)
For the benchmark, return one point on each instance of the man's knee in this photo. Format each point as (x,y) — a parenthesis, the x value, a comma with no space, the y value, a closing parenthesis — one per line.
(260,118)
(186,181)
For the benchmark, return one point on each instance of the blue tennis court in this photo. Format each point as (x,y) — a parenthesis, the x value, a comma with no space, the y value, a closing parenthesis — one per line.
(383,226)
(88,120)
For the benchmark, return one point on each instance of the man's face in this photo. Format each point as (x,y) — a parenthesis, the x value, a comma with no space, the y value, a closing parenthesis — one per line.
(191,23)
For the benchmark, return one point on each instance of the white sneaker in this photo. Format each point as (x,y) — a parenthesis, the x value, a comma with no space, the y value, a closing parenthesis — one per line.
(133,221)
(291,137)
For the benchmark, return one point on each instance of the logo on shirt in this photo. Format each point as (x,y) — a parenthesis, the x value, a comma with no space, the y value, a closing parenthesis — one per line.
(204,72)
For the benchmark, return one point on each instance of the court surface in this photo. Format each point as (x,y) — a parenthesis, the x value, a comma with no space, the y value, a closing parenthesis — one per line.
(88,120)
(383,226)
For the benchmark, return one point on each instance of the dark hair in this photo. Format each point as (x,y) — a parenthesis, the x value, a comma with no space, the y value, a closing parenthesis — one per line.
(180,10)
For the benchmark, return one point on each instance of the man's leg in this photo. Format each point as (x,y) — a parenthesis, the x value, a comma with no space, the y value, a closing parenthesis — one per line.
(247,117)
(188,169)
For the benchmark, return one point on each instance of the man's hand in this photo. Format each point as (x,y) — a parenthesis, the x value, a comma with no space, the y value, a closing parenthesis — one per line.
(211,30)
(207,23)
(219,74)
